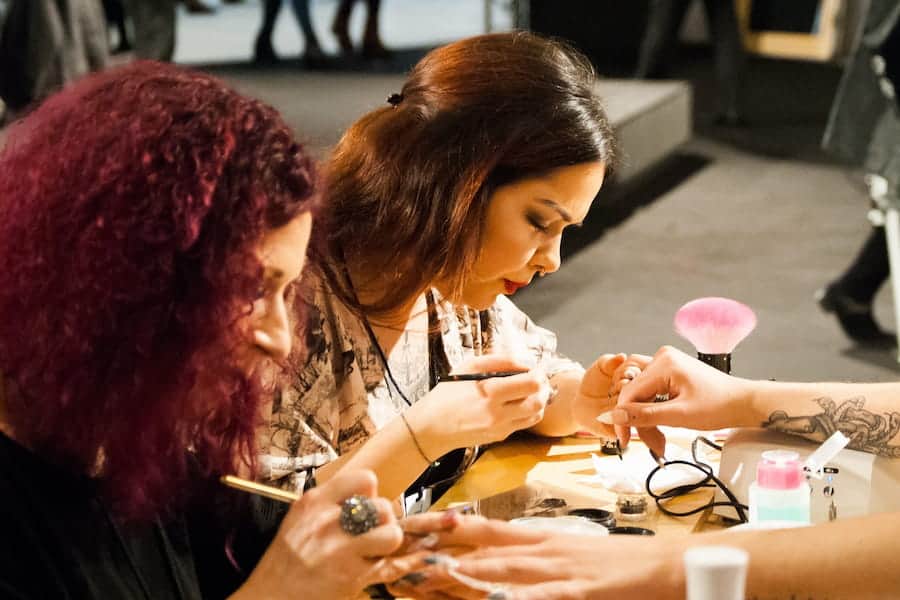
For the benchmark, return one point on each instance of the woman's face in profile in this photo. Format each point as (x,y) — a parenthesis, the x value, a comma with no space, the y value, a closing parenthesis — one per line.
(282,252)
(525,222)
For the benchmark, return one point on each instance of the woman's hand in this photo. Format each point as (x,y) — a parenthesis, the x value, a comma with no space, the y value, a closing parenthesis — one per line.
(312,557)
(531,565)
(469,413)
(599,387)
(699,397)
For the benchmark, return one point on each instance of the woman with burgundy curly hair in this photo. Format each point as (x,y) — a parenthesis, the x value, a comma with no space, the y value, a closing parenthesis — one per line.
(152,224)
(439,205)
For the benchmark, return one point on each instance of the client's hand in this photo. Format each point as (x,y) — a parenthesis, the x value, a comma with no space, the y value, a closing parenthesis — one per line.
(313,557)
(599,387)
(522,564)
(679,390)
(469,413)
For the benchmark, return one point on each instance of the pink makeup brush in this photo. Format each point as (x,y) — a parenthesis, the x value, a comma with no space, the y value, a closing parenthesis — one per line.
(715,326)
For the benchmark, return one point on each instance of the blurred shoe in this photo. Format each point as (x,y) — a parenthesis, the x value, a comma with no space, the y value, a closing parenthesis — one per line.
(198,7)
(263,52)
(375,50)
(855,317)
(313,58)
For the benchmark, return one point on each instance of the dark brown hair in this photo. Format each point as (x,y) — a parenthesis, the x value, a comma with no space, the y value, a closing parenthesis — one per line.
(409,184)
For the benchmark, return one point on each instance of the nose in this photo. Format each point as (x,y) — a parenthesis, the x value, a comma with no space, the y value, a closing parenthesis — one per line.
(547,256)
(272,333)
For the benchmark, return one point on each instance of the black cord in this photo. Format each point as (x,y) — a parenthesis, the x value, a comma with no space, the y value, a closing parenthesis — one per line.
(384,362)
(709,480)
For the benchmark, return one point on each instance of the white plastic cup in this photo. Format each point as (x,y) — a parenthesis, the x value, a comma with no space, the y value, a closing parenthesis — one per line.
(715,573)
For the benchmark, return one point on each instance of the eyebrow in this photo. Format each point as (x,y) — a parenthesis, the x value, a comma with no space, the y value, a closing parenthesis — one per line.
(562,212)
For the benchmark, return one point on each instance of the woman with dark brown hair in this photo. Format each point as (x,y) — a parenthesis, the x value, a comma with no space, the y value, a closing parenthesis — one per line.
(438,205)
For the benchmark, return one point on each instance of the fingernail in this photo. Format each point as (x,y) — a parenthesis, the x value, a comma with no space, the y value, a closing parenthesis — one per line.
(443,560)
(450,518)
(429,542)
(661,461)
(606,418)
(414,578)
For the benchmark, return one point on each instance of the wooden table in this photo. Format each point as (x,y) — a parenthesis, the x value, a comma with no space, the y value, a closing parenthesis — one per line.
(559,464)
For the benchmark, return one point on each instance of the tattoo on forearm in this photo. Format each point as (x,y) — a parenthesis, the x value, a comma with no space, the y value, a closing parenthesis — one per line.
(868,431)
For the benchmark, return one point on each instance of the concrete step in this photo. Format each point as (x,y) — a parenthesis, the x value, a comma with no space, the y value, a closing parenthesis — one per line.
(651,118)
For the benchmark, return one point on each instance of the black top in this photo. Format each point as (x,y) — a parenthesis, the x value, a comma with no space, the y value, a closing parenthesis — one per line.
(58,540)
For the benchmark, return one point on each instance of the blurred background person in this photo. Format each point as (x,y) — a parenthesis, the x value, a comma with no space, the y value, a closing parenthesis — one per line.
(864,128)
(264,52)
(47,43)
(371,43)
(153,22)
(664,21)
(115,17)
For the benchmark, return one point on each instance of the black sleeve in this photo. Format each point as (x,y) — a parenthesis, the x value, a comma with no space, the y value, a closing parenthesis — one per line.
(8,593)
(229,535)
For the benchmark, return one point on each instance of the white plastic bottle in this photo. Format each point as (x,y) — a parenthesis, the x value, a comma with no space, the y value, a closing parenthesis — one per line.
(780,494)
(715,573)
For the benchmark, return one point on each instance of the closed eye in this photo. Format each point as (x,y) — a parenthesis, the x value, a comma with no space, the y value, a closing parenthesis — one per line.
(537,224)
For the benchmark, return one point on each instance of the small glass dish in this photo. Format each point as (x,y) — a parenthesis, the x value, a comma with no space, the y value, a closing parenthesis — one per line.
(632,507)
(594,515)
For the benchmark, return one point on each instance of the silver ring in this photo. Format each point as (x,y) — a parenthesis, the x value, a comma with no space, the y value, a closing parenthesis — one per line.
(661,397)
(358,515)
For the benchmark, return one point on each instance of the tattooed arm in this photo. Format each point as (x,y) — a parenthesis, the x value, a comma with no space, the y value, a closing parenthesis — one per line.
(701,397)
(872,425)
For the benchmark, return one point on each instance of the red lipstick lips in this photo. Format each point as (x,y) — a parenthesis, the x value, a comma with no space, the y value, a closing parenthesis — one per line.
(512,286)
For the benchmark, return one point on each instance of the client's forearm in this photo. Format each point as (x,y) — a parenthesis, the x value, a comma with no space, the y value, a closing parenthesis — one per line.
(850,559)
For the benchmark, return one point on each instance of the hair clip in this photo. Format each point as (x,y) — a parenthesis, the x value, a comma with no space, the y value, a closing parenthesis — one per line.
(395,99)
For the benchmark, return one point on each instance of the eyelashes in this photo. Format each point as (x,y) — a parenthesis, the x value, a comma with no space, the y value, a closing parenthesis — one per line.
(545,228)
(535,222)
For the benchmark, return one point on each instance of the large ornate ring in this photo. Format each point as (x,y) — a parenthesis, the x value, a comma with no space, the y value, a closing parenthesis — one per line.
(661,398)
(358,515)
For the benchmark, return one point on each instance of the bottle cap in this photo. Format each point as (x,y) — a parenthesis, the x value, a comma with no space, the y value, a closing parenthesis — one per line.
(779,470)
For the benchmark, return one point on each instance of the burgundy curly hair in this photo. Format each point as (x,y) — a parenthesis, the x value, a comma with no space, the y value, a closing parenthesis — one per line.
(131,204)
